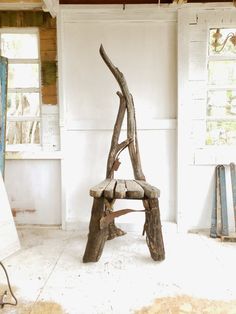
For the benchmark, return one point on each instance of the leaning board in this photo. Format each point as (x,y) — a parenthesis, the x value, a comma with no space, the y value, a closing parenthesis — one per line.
(3,106)
(9,241)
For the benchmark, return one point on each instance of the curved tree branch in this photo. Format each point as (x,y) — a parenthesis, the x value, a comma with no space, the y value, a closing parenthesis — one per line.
(131,122)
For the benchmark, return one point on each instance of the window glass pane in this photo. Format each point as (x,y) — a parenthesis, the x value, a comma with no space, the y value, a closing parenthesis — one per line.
(26,132)
(221,132)
(23,75)
(221,103)
(228,49)
(23,104)
(222,72)
(18,46)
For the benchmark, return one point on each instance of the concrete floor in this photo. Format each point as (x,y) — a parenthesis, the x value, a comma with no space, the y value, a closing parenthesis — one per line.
(48,275)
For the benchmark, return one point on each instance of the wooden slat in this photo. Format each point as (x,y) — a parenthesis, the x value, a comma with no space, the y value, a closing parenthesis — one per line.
(134,190)
(109,190)
(97,190)
(229,238)
(149,190)
(129,1)
(120,191)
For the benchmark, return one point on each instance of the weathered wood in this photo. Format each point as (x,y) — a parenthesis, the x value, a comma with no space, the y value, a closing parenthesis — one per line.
(152,227)
(218,206)
(96,236)
(106,220)
(134,190)
(102,224)
(229,238)
(97,190)
(120,191)
(149,190)
(233,186)
(114,231)
(131,121)
(110,190)
(115,137)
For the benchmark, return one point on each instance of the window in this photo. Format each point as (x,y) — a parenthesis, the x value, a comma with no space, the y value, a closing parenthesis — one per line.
(221,89)
(21,47)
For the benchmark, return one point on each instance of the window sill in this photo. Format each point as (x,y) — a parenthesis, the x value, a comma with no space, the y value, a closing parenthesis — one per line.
(45,155)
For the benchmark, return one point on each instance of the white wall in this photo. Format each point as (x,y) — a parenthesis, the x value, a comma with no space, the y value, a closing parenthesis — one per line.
(144,49)
(34,185)
(196,162)
(142,41)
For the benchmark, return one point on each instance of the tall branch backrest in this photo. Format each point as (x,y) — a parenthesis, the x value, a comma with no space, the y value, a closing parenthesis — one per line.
(102,225)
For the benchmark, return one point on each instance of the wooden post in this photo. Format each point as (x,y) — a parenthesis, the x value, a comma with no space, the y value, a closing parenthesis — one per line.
(96,236)
(152,227)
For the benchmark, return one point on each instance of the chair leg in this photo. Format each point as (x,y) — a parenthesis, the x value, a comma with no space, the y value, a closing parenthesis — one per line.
(153,230)
(96,236)
(114,231)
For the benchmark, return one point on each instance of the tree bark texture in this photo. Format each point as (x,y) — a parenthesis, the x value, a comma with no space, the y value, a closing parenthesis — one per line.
(96,237)
(102,206)
(152,227)
(131,120)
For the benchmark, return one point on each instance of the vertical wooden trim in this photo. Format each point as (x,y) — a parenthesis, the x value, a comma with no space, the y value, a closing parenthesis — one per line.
(182,142)
(63,133)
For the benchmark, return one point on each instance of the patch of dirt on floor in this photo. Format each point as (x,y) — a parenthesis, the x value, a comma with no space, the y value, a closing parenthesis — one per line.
(187,304)
(34,308)
(42,307)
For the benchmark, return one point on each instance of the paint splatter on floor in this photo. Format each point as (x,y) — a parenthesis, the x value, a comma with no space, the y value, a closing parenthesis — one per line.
(187,304)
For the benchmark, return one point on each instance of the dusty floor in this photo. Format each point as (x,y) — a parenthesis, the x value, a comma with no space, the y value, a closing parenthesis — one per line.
(48,275)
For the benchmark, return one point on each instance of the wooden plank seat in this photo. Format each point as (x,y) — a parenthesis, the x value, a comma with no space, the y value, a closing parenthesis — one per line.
(125,189)
(102,221)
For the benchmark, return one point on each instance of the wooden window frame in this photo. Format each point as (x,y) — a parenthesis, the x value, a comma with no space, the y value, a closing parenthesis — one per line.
(25,30)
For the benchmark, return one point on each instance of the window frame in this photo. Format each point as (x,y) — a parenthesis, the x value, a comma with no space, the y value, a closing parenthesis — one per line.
(217,87)
(29,146)
(201,153)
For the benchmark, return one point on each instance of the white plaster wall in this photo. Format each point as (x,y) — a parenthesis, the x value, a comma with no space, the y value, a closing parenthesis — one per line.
(34,185)
(145,51)
(135,48)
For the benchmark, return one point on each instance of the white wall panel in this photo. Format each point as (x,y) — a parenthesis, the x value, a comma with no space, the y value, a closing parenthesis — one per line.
(145,51)
(135,50)
(33,188)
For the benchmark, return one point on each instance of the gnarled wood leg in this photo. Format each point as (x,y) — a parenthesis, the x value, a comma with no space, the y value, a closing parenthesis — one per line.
(153,230)
(96,236)
(114,231)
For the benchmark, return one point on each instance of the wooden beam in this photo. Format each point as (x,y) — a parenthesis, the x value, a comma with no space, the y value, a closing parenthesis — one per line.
(132,1)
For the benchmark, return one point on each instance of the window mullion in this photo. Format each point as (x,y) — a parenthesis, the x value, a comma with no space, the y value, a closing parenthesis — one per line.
(23,61)
(24,90)
(23,118)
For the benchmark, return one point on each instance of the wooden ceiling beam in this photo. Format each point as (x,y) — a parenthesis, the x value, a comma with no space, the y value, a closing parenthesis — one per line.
(88,2)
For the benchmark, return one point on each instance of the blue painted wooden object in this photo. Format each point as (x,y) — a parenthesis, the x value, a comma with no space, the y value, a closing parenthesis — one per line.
(223,201)
(3,106)
(233,182)
(213,213)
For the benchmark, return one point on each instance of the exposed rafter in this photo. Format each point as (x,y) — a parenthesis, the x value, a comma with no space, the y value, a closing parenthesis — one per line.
(137,1)
(51,6)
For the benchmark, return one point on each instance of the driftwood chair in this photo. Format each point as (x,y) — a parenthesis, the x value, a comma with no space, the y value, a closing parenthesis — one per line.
(102,225)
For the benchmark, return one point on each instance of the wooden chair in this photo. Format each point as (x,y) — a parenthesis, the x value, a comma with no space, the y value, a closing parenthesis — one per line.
(102,225)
